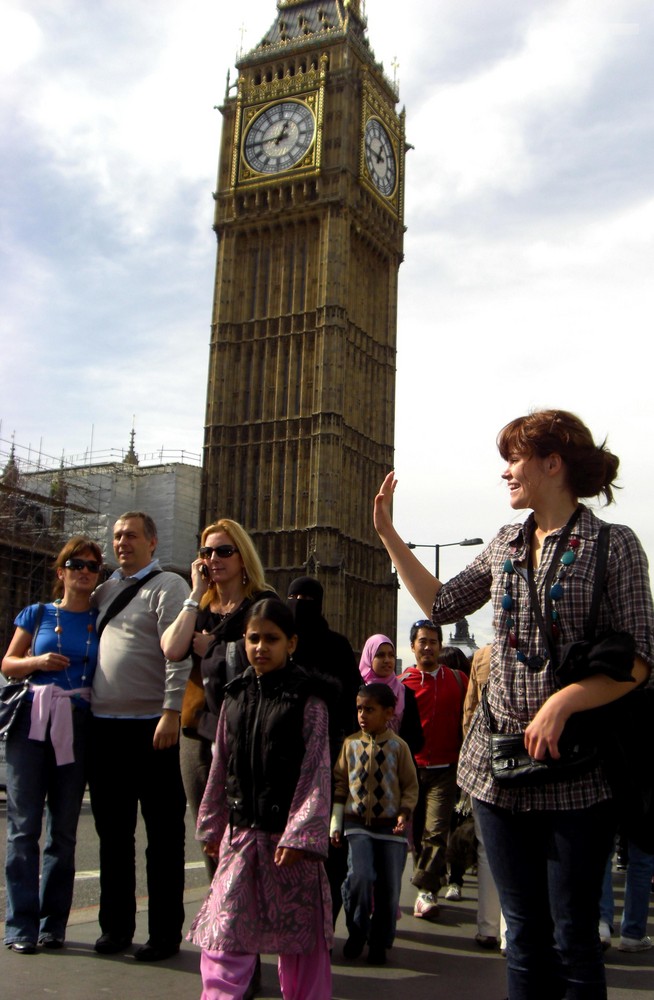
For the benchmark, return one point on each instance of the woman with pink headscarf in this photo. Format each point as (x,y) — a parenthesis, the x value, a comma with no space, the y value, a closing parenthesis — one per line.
(377,666)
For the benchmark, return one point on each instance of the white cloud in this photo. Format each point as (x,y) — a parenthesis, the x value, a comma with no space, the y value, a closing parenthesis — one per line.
(476,135)
(20,39)
(530,210)
(132,121)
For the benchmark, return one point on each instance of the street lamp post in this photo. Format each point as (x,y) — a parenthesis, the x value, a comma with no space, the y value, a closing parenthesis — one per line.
(443,545)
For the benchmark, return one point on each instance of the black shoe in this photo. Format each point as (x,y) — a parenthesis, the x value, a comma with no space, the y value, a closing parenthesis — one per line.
(51,942)
(354,945)
(108,944)
(23,947)
(376,955)
(150,952)
(486,941)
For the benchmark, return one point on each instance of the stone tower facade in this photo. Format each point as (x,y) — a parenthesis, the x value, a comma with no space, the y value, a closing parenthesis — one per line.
(301,393)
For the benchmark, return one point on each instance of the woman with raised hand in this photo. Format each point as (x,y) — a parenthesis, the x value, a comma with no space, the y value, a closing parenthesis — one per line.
(547,843)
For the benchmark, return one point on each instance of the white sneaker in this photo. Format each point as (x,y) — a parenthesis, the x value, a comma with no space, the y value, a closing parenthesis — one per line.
(453,892)
(426,906)
(604,934)
(635,944)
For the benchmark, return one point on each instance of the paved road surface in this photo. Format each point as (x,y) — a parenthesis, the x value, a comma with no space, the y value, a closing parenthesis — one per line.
(428,962)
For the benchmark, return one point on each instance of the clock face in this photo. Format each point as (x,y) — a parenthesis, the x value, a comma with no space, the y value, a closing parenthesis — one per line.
(279,137)
(380,157)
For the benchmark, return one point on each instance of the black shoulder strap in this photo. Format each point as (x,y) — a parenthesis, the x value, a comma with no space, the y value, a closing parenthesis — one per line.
(598,586)
(459,680)
(600,574)
(462,692)
(545,624)
(485,707)
(37,622)
(122,600)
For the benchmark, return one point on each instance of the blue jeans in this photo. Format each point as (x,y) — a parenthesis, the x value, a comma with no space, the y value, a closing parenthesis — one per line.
(35,781)
(638,889)
(548,867)
(637,893)
(606,900)
(371,890)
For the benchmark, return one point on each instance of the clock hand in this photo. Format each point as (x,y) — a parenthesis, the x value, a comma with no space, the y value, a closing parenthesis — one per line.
(282,134)
(377,153)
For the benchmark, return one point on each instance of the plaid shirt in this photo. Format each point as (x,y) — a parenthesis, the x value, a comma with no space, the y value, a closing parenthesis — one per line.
(515,692)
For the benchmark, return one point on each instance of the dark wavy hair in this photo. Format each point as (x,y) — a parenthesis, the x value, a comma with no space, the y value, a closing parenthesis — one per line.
(591,469)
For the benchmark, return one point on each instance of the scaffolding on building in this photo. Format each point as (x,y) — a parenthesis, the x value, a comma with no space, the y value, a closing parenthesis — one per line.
(44,501)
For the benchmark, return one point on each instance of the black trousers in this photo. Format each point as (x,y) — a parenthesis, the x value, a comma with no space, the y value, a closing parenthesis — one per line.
(124,771)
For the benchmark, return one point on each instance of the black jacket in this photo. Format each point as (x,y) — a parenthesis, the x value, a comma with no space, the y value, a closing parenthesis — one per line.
(264,719)
(223,660)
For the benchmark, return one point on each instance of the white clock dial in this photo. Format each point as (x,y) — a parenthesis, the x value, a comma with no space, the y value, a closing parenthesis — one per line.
(279,137)
(380,157)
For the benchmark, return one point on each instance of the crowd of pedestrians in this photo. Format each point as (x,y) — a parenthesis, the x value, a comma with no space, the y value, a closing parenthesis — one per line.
(313,781)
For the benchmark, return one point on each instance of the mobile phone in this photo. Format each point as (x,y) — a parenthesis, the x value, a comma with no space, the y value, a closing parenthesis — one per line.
(204,571)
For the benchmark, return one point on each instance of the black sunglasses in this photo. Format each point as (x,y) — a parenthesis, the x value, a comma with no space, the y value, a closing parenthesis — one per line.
(90,564)
(424,623)
(222,551)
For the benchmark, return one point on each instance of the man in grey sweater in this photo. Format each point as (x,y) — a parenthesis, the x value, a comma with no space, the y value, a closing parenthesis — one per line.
(134,759)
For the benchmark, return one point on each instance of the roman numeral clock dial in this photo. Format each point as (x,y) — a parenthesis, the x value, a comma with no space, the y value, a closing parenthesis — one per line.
(380,157)
(279,137)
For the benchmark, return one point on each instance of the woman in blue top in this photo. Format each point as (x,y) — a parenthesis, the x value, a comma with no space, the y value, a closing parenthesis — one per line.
(55,646)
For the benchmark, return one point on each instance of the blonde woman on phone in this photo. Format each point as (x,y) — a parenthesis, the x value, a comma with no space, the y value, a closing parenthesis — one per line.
(227,578)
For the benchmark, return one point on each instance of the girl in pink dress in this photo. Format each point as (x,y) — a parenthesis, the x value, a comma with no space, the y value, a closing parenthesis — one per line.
(265,817)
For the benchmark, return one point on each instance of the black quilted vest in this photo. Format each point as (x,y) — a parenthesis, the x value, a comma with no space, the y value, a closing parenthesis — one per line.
(264,717)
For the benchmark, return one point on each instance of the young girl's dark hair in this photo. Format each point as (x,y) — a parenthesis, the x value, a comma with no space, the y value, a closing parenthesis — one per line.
(381,693)
(275,611)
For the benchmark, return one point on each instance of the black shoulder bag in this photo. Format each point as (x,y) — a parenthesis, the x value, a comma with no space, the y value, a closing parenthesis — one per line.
(14,693)
(123,599)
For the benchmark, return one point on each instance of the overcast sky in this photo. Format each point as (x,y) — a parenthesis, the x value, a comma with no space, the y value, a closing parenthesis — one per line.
(527,278)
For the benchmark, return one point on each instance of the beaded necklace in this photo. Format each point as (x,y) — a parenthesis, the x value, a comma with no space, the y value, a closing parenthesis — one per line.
(90,628)
(563,559)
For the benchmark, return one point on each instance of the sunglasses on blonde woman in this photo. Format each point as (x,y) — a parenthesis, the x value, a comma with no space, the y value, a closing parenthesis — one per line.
(222,551)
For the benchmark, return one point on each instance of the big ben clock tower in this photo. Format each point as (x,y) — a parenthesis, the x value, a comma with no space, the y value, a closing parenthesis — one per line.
(301,395)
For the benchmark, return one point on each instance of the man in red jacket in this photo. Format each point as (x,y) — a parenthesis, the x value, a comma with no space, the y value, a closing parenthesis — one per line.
(439,693)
